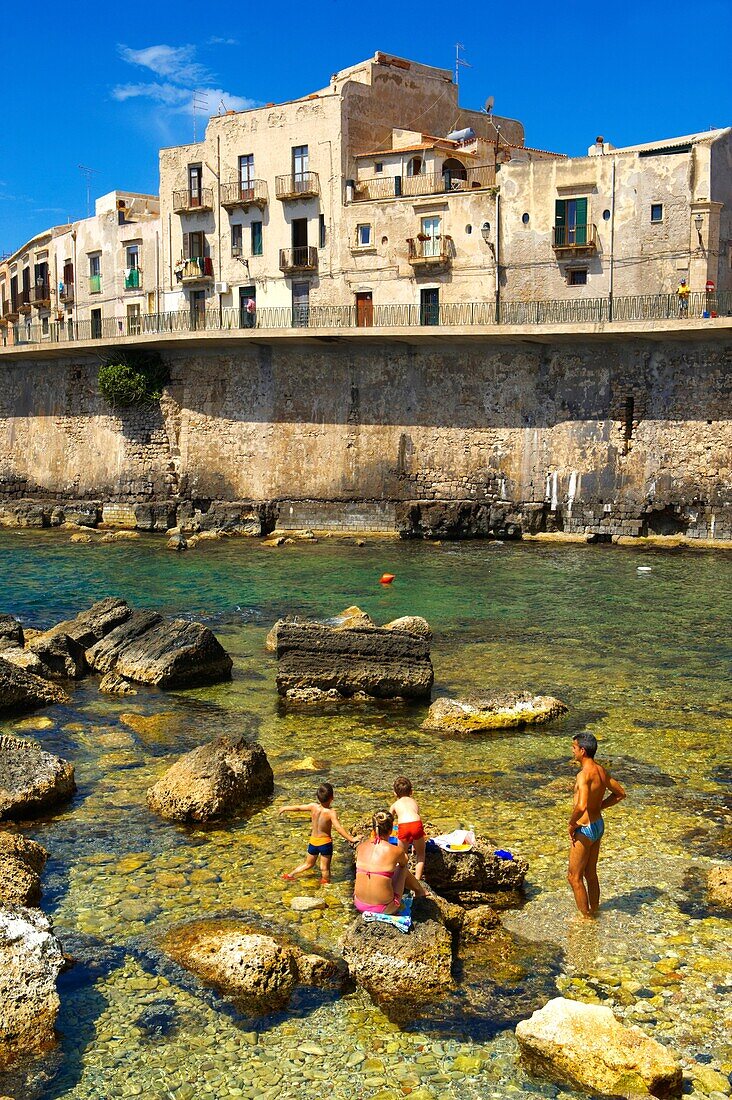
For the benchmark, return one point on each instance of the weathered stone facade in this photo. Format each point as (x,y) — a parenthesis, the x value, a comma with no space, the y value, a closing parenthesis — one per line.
(591,435)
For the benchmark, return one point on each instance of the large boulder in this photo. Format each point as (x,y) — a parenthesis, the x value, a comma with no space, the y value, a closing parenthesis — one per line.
(148,649)
(26,659)
(94,623)
(412,624)
(214,781)
(21,863)
(474,877)
(30,961)
(381,663)
(246,964)
(512,710)
(60,654)
(584,1044)
(719,886)
(22,691)
(397,969)
(11,632)
(31,780)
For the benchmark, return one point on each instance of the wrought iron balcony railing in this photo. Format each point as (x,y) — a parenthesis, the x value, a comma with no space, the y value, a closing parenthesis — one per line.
(449,182)
(198,269)
(23,300)
(244,193)
(299,259)
(434,251)
(297,185)
(192,200)
(578,238)
(40,294)
(66,292)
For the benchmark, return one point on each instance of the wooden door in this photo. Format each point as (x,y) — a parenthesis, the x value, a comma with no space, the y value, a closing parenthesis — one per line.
(364,309)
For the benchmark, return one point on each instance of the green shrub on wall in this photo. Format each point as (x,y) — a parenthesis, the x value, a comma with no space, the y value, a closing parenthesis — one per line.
(133,378)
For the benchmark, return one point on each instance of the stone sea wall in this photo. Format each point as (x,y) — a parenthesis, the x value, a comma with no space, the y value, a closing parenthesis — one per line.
(599,436)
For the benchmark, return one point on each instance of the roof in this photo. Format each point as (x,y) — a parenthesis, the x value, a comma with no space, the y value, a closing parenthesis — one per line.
(429,142)
(673,143)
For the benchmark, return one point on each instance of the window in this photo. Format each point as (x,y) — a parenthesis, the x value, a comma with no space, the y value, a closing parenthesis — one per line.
(95,265)
(414,166)
(194,245)
(656,212)
(577,276)
(134,325)
(257,248)
(132,256)
(379,166)
(96,324)
(95,274)
(44,326)
(300,161)
(195,179)
(429,306)
(570,222)
(246,171)
(525,218)
(300,305)
(236,240)
(430,236)
(321,231)
(363,236)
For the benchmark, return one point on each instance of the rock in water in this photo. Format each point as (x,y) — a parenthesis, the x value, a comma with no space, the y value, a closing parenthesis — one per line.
(112,684)
(21,863)
(94,623)
(585,1045)
(719,886)
(246,964)
(11,633)
(30,961)
(413,624)
(149,650)
(21,691)
(214,781)
(31,780)
(470,877)
(62,655)
(495,712)
(398,969)
(382,663)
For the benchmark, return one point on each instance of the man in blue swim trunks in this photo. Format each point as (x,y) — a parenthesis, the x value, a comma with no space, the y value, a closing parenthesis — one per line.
(586,825)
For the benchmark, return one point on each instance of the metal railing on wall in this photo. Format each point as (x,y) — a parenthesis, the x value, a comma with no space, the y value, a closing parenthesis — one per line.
(651,307)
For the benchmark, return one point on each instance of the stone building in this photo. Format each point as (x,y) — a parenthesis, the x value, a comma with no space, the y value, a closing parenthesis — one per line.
(91,278)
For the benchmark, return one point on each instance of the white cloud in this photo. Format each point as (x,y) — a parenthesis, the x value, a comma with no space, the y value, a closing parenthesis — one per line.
(180,100)
(175,62)
(214,40)
(169,94)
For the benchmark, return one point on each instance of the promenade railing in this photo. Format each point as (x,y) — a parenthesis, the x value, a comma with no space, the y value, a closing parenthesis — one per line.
(465,315)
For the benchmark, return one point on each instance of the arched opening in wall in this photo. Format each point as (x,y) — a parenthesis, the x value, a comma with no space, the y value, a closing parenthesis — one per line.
(414,166)
(454,174)
(629,412)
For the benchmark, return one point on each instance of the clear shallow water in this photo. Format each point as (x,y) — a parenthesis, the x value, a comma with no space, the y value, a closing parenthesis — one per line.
(642,659)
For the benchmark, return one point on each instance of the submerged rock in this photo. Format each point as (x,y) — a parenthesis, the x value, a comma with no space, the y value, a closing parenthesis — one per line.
(22,691)
(246,964)
(112,684)
(719,886)
(147,649)
(381,663)
(30,961)
(21,863)
(476,714)
(214,781)
(585,1045)
(31,780)
(397,969)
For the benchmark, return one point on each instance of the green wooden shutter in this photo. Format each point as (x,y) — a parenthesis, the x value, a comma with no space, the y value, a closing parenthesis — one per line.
(581,229)
(560,222)
(186,246)
(256,238)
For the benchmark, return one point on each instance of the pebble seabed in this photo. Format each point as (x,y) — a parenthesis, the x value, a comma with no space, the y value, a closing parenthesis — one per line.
(638,656)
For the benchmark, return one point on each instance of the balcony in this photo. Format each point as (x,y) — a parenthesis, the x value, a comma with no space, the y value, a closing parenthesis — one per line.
(244,194)
(40,295)
(574,240)
(133,279)
(192,201)
(430,253)
(293,260)
(445,183)
(23,300)
(66,293)
(95,284)
(198,269)
(10,310)
(297,185)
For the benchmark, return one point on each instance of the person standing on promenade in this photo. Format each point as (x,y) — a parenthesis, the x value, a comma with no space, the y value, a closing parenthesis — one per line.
(586,825)
(683,290)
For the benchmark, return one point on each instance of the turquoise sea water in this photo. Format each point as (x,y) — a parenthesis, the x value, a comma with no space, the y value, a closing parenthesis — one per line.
(641,658)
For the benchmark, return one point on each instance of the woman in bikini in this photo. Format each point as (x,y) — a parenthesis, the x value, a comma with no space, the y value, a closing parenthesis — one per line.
(381,871)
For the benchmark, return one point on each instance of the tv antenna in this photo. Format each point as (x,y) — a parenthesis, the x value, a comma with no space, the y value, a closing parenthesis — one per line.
(88,172)
(460,61)
(488,108)
(199,103)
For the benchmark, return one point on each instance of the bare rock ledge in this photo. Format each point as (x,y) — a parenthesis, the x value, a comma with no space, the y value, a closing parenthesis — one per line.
(513,710)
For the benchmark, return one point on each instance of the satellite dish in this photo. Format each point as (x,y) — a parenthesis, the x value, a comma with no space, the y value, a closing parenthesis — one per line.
(489,104)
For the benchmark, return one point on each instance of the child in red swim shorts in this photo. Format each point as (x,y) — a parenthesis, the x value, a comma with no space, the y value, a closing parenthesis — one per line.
(411,831)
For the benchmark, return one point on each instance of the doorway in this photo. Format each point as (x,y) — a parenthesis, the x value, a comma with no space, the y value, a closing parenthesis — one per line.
(300,305)
(247,306)
(96,324)
(429,306)
(198,309)
(364,309)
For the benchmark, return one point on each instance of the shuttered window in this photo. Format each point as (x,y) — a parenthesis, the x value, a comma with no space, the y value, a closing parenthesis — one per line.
(256,238)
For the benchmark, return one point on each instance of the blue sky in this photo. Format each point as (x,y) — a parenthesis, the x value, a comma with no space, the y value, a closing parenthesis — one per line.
(105,86)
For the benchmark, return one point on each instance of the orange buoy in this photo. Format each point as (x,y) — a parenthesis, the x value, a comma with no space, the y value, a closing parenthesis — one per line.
(387,578)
